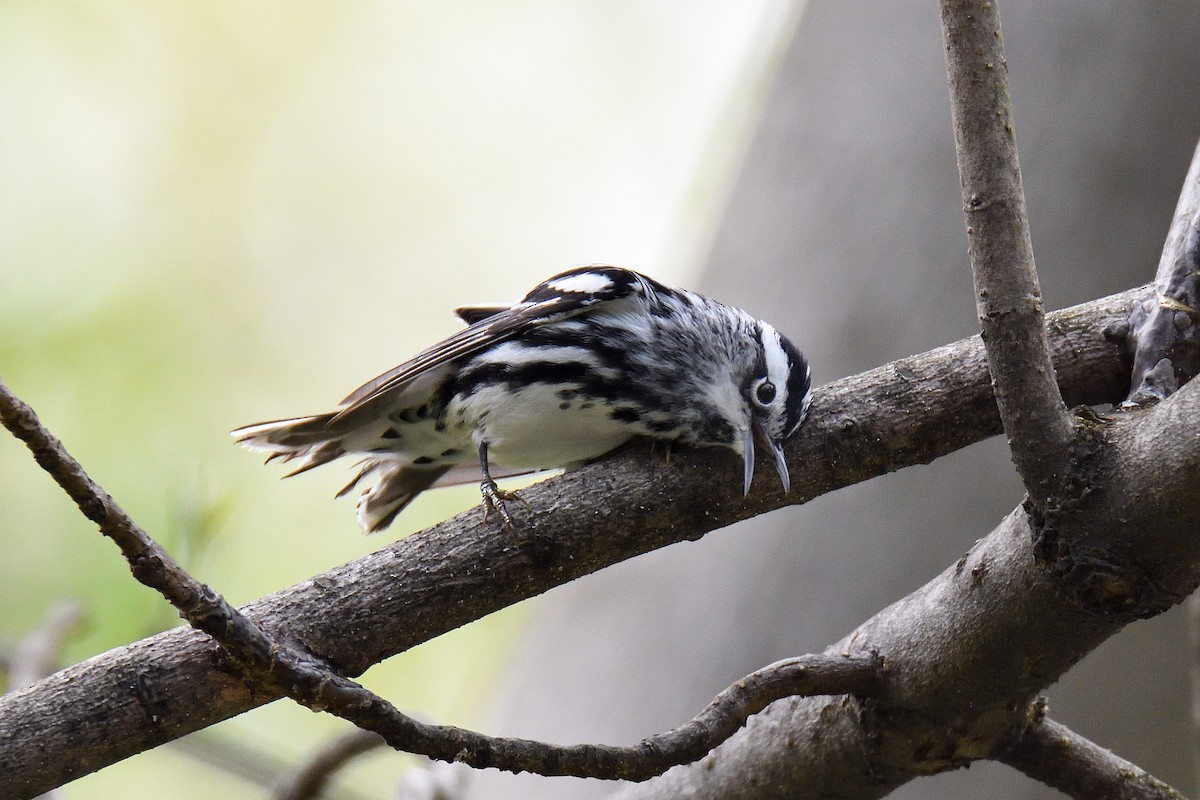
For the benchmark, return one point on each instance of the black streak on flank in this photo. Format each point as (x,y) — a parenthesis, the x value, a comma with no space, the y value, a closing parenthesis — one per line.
(581,377)
(625,414)
(515,376)
(661,426)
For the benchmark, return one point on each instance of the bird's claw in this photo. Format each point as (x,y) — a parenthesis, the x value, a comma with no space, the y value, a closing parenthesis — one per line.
(665,444)
(494,499)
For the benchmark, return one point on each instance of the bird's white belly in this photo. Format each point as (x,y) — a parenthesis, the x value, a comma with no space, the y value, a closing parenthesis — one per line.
(536,428)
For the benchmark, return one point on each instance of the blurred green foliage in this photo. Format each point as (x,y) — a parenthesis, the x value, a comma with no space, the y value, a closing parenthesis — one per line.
(213,213)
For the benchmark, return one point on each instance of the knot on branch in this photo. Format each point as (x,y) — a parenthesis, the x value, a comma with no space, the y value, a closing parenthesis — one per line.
(1102,577)
(1164,334)
(1110,583)
(1165,340)
(1104,580)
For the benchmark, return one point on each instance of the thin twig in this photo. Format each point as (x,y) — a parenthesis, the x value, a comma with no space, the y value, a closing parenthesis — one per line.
(203,608)
(1057,756)
(275,667)
(309,780)
(804,676)
(1008,298)
(1166,329)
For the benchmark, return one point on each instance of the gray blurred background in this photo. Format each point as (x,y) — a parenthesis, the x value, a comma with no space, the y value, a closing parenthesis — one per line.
(845,230)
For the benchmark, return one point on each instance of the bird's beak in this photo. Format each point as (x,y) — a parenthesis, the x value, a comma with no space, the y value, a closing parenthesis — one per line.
(759,434)
(748,454)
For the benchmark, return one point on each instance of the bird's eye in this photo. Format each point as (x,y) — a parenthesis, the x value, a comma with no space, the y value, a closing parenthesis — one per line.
(765,393)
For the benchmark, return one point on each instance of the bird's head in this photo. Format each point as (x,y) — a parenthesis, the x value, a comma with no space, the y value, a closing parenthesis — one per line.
(775,390)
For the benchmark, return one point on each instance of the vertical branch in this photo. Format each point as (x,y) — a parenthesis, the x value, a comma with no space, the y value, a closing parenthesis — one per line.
(1008,298)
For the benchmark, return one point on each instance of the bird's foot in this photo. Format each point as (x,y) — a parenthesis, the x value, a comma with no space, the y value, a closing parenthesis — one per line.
(494,499)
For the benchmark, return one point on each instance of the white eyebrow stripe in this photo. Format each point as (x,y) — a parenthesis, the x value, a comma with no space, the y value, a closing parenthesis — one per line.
(778,362)
(585,282)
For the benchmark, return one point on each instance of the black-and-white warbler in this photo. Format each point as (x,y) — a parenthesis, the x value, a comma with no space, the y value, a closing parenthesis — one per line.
(589,359)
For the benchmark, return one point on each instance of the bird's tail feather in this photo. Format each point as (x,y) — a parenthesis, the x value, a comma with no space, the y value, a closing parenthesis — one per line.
(316,440)
(397,484)
(308,440)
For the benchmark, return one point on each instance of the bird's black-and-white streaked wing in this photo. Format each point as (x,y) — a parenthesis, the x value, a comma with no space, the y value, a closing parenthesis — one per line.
(558,298)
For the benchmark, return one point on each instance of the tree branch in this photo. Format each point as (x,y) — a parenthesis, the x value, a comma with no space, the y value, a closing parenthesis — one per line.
(1166,328)
(1008,297)
(1052,753)
(152,691)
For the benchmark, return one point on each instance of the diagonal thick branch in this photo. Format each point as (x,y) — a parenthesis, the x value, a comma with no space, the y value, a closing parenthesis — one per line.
(907,412)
